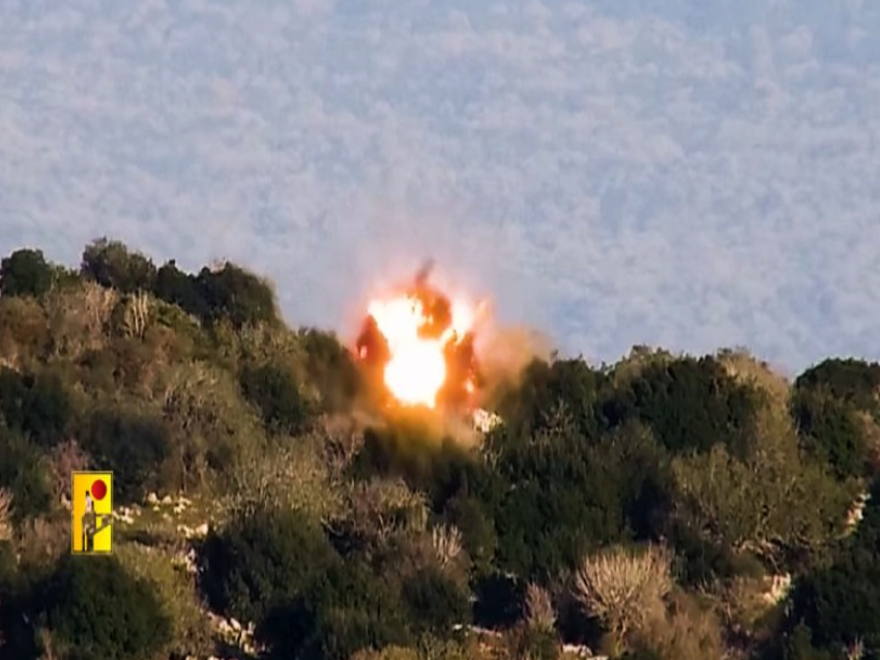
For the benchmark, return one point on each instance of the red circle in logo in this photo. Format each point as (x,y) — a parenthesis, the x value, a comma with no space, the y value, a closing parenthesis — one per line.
(99,489)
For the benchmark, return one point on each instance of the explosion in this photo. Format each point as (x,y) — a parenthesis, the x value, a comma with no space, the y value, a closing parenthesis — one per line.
(420,345)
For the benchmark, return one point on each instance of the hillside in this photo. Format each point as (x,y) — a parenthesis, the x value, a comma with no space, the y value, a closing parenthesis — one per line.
(666,507)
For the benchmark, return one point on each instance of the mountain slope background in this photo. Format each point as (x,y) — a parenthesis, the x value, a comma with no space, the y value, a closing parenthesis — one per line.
(665,506)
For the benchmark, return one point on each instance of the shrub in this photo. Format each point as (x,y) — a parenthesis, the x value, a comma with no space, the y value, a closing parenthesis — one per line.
(175,590)
(566,495)
(22,473)
(540,613)
(435,602)
(688,630)
(5,515)
(38,406)
(346,610)
(132,443)
(96,609)
(331,369)
(625,589)
(571,384)
(24,332)
(79,317)
(525,642)
(25,273)
(275,391)
(262,558)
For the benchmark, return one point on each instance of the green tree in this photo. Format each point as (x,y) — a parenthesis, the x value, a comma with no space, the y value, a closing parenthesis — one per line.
(238,295)
(110,264)
(689,404)
(832,431)
(179,288)
(855,381)
(25,273)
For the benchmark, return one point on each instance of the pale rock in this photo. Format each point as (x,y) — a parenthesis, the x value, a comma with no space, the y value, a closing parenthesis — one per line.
(167,499)
(201,530)
(152,499)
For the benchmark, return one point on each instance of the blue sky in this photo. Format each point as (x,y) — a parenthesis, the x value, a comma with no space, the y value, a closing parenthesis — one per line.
(685,174)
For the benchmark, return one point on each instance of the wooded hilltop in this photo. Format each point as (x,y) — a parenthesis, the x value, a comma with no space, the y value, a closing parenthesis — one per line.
(666,507)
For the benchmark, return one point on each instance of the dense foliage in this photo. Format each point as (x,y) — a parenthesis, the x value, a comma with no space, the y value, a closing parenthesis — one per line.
(664,507)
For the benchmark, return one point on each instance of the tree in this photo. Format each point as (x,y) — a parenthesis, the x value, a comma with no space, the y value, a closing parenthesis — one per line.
(110,264)
(182,289)
(771,505)
(831,430)
(689,404)
(25,273)
(854,381)
(233,293)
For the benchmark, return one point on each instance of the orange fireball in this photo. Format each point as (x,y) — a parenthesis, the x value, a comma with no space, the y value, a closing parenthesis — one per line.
(422,344)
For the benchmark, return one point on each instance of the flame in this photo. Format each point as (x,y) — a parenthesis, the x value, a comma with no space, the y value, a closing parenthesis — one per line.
(424,344)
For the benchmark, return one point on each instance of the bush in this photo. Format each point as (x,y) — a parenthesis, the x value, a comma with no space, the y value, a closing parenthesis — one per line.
(331,369)
(435,602)
(346,610)
(24,332)
(130,442)
(96,609)
(625,589)
(38,406)
(175,590)
(263,558)
(565,495)
(275,391)
(22,473)
(25,273)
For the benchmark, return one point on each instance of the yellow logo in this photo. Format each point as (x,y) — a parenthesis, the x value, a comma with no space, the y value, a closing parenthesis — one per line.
(92,529)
